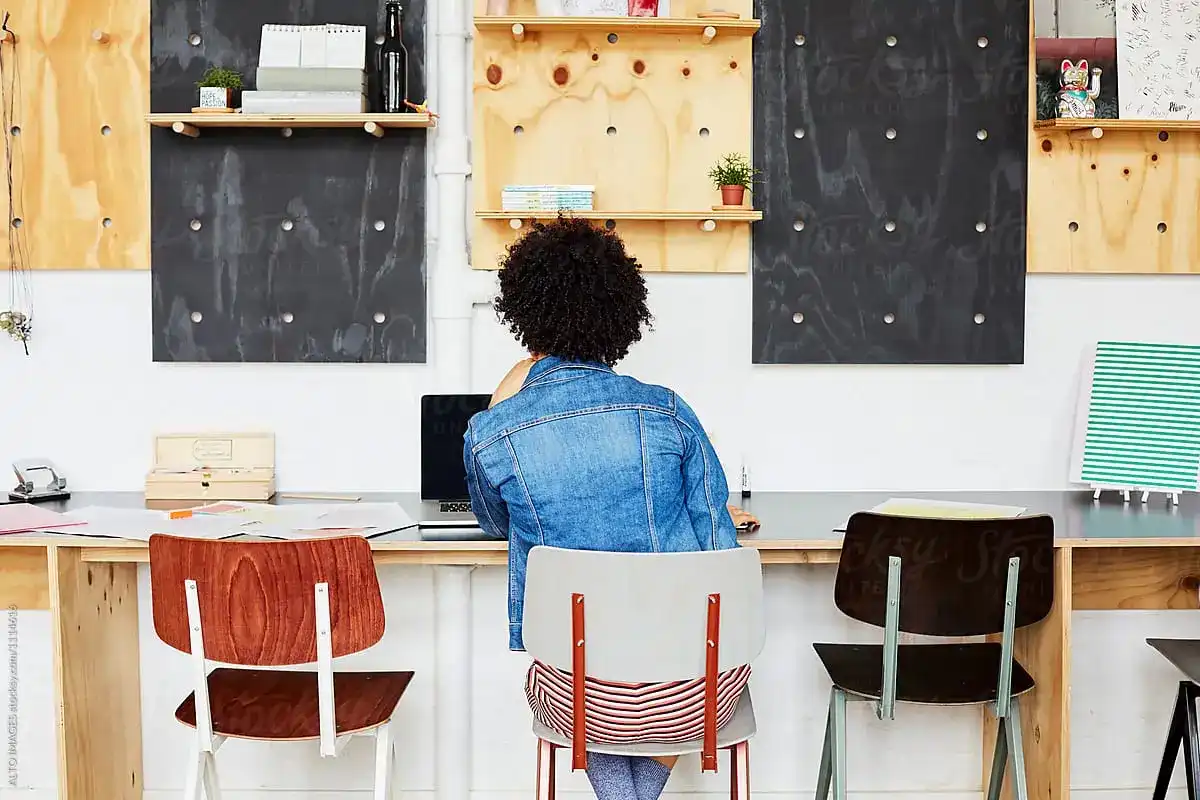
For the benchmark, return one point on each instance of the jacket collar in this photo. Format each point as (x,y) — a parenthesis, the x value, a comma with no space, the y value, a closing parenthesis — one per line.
(551,364)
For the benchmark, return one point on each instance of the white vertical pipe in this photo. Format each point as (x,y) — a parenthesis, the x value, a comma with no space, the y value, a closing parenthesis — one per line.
(453,286)
(452,683)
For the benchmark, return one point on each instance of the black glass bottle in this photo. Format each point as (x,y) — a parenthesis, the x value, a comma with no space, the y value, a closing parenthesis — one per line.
(392,63)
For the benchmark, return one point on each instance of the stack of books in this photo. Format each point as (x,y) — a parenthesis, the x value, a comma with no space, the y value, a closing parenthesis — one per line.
(547,198)
(310,69)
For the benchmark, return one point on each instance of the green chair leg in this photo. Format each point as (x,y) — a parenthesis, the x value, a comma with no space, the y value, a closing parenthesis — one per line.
(825,770)
(837,715)
(999,761)
(1012,730)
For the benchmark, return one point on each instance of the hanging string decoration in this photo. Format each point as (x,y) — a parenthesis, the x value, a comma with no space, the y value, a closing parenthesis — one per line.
(17,319)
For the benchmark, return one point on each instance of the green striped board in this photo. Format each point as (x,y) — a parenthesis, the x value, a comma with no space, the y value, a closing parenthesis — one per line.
(1143,418)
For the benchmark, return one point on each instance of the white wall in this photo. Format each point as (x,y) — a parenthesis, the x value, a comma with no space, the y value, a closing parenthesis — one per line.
(90,398)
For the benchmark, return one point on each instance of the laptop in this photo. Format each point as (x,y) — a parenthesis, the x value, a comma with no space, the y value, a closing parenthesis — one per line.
(445,501)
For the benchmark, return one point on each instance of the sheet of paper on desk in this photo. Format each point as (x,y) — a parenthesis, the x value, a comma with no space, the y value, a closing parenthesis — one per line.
(945,509)
(358,519)
(142,523)
(18,517)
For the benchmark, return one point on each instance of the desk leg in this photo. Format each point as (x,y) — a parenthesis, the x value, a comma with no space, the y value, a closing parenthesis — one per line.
(23,582)
(97,686)
(1045,650)
(452,682)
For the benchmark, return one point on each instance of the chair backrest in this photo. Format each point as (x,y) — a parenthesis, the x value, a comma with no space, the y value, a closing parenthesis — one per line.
(953,573)
(646,613)
(256,599)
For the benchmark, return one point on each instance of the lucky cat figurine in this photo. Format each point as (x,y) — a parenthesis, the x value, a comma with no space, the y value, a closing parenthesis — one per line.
(1075,99)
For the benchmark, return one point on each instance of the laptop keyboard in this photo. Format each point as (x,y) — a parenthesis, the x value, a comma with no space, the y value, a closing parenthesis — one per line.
(455,506)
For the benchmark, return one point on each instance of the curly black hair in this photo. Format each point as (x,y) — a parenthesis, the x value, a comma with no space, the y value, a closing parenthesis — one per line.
(569,289)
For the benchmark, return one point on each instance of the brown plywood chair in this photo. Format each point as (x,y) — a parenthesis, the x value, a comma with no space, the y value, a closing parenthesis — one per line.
(275,604)
(947,578)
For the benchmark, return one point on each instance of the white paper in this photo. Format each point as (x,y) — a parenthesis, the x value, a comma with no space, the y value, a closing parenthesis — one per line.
(1158,59)
(346,46)
(142,523)
(312,46)
(383,517)
(945,509)
(279,46)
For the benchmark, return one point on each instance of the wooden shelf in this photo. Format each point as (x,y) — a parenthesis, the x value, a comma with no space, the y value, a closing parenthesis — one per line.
(1095,128)
(706,29)
(374,124)
(724,215)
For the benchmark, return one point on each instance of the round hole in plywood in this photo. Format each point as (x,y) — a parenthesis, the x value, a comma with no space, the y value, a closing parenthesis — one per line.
(612,131)
(106,222)
(1093,166)
(194,40)
(612,38)
(797,318)
(1162,227)
(1125,171)
(494,74)
(1072,226)
(518,130)
(1163,136)
(105,130)
(639,67)
(799,40)
(686,71)
(704,133)
(595,56)
(561,75)
(379,317)
(196,316)
(733,65)
(17,222)
(1047,145)
(610,224)
(1154,156)
(15,130)
(979,319)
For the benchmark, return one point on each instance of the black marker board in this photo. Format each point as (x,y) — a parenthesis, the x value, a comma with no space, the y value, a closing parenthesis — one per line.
(901,250)
(288,263)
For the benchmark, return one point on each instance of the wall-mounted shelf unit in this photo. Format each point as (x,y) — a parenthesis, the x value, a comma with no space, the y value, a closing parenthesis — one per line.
(706,28)
(374,124)
(1095,128)
(719,215)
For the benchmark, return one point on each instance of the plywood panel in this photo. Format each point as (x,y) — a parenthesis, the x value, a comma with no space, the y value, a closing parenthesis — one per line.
(641,115)
(80,157)
(1124,203)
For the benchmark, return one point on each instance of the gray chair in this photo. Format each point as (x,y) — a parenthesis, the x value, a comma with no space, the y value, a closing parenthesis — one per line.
(646,618)
(1185,655)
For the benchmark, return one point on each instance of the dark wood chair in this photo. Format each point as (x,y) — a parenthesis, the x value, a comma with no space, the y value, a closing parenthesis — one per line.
(937,577)
(1183,730)
(275,604)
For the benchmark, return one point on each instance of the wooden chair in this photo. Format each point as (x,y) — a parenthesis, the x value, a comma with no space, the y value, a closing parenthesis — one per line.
(648,618)
(274,604)
(1183,730)
(937,577)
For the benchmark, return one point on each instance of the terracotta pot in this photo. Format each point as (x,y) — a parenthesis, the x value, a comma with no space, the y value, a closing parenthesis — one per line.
(733,195)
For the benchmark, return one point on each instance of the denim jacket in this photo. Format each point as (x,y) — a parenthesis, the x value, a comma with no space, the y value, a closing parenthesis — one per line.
(586,459)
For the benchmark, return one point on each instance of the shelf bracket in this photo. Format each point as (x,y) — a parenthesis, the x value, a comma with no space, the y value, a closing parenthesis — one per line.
(183,129)
(1085,134)
(373,128)
(100,37)
(708,225)
(709,34)
(518,32)
(515,223)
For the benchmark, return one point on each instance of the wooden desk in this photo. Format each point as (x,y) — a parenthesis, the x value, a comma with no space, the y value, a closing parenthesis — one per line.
(1109,556)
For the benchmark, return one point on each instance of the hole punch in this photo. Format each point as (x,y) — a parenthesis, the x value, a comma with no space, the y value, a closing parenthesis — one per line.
(979,319)
(380,225)
(798,225)
(799,133)
(197,317)
(379,317)
(890,133)
(797,318)
(195,225)
(194,40)
(1073,226)
(1162,227)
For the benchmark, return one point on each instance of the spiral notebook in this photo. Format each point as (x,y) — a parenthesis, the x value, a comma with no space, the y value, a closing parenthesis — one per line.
(316,46)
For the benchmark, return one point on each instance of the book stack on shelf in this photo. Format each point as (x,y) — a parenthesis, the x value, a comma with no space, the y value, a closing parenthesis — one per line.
(547,198)
(310,69)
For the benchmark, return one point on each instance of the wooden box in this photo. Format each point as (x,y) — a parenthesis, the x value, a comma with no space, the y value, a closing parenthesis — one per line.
(212,466)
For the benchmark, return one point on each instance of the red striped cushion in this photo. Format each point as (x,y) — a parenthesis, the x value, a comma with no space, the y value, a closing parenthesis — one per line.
(625,713)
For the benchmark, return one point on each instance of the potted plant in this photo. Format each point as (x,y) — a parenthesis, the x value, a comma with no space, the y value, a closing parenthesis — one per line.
(220,89)
(733,175)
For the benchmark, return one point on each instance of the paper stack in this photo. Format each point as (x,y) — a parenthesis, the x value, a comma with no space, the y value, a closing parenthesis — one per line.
(547,198)
(310,69)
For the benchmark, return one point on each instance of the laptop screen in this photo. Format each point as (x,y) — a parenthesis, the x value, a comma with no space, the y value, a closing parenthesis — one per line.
(444,419)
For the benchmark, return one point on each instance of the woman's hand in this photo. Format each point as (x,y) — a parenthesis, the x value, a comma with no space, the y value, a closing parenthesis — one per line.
(743,520)
(513,381)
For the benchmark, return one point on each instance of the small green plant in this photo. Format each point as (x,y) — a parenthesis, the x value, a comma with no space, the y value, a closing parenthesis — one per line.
(734,169)
(221,78)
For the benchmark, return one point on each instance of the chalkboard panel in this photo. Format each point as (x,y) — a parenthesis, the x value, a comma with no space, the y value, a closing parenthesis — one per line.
(892,143)
(271,248)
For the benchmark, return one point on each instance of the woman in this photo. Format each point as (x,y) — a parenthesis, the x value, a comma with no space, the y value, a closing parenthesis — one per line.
(572,455)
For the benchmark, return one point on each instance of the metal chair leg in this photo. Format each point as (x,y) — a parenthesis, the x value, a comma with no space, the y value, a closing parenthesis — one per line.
(825,770)
(999,760)
(837,714)
(1191,741)
(741,757)
(733,774)
(1016,751)
(1171,749)
(545,770)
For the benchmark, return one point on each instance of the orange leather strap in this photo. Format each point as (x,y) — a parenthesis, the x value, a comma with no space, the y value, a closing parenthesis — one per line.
(708,755)
(578,676)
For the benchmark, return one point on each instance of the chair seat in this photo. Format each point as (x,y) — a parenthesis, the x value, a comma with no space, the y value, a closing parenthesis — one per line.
(935,674)
(1183,653)
(282,705)
(740,728)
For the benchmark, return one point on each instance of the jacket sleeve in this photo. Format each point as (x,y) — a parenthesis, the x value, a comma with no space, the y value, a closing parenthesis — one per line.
(486,502)
(705,487)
